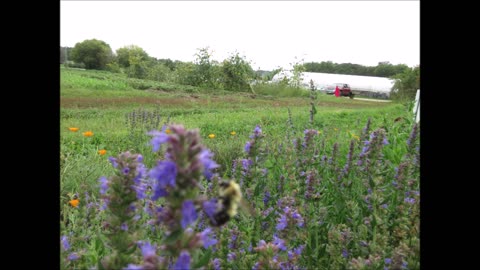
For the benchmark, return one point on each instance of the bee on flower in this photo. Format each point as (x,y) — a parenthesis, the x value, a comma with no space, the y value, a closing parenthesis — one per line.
(168,131)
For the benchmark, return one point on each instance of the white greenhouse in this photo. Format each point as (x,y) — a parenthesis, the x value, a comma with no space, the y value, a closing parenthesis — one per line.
(365,85)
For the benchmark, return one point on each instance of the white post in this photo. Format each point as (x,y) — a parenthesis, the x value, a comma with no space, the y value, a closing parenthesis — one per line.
(416,107)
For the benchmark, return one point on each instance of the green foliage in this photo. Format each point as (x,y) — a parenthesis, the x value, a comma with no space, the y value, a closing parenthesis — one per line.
(237,73)
(406,84)
(298,69)
(160,72)
(383,69)
(130,55)
(280,89)
(206,72)
(95,54)
(185,74)
(114,67)
(88,80)
(134,60)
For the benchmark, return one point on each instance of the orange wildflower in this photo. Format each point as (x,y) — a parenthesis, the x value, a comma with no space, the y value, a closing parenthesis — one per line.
(102,152)
(211,136)
(73,129)
(87,134)
(74,203)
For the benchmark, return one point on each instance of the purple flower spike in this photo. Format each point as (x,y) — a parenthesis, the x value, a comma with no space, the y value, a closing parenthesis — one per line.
(210,207)
(216,264)
(165,174)
(279,243)
(113,161)
(231,256)
(282,223)
(73,257)
(189,215)
(247,147)
(207,238)
(103,185)
(183,262)
(158,139)
(65,243)
(148,250)
(133,267)
(208,164)
(257,130)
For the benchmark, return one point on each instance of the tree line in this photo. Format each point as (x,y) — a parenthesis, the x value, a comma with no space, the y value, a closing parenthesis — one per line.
(383,69)
(234,73)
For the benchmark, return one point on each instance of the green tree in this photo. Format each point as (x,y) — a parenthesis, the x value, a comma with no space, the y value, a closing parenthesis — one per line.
(185,74)
(237,73)
(406,84)
(384,69)
(127,54)
(298,69)
(135,61)
(159,72)
(205,70)
(95,54)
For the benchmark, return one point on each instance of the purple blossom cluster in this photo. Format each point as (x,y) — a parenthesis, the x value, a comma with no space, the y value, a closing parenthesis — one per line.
(412,138)
(311,182)
(346,169)
(308,138)
(252,144)
(372,150)
(276,255)
(290,220)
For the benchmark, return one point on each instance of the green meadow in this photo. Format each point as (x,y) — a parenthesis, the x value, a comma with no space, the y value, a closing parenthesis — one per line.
(363,216)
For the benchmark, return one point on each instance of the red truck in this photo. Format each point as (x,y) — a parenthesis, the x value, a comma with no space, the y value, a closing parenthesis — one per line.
(344,89)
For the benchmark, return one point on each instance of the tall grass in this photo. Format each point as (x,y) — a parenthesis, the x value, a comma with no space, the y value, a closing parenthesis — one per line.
(279,90)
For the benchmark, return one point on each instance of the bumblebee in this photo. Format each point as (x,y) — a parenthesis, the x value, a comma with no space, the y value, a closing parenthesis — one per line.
(230,196)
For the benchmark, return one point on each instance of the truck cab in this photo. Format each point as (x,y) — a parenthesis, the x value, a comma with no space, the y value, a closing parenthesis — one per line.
(345,89)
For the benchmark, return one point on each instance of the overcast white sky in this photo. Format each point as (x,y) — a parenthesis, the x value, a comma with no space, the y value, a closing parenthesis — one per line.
(270,34)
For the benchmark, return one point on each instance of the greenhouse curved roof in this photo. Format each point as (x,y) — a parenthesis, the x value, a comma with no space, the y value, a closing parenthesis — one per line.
(359,83)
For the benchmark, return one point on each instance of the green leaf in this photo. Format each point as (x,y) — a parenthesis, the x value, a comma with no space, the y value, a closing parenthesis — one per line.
(173,236)
(204,260)
(100,265)
(258,189)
